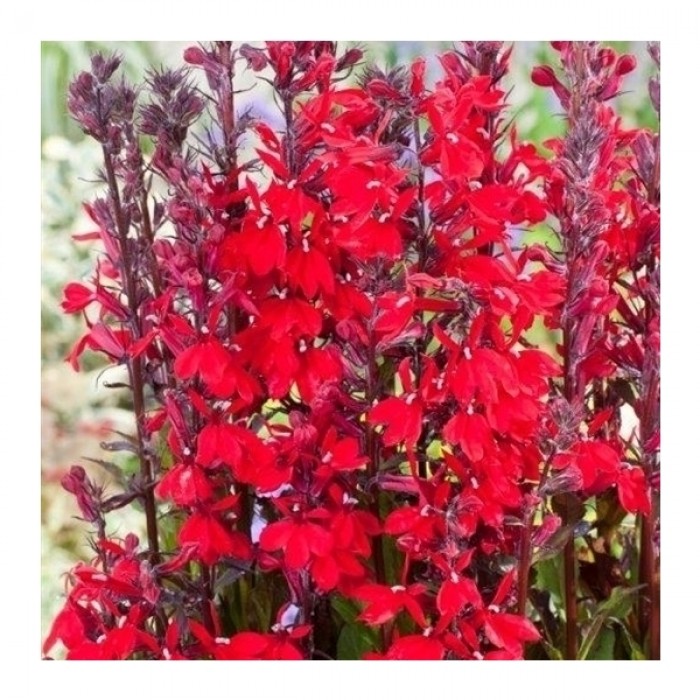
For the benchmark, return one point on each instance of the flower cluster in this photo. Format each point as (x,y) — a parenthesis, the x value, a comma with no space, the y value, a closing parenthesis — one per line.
(347,437)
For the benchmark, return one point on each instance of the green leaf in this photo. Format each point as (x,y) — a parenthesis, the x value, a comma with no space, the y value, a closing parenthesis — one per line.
(355,640)
(635,651)
(604,647)
(617,607)
(552,652)
(549,576)
(259,600)
(347,610)
(620,602)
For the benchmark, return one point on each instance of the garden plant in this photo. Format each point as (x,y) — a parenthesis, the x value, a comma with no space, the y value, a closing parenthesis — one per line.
(394,370)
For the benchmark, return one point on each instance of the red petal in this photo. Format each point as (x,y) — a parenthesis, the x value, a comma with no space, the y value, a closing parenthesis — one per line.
(633,491)
(325,573)
(297,554)
(455,595)
(401,520)
(276,535)
(416,647)
(247,645)
(510,631)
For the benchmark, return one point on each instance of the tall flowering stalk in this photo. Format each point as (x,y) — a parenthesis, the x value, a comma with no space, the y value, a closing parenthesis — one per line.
(590,164)
(638,349)
(348,443)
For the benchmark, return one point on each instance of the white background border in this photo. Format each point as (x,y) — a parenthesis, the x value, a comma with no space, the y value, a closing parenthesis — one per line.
(25,24)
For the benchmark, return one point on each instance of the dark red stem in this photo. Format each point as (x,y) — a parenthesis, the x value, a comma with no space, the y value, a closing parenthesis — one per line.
(134,364)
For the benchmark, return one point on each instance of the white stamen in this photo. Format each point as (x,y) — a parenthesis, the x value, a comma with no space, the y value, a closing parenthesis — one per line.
(468,353)
(373,184)
(494,608)
(302,346)
(411,398)
(327,458)
(425,511)
(398,589)
(474,482)
(251,319)
(291,184)
(283,293)
(99,577)
(204,330)
(121,621)
(101,638)
(222,640)
(427,631)
(328,127)
(403,301)
(305,245)
(452,138)
(348,277)
(524,277)
(296,508)
(260,223)
(167,655)
(453,577)
(384,217)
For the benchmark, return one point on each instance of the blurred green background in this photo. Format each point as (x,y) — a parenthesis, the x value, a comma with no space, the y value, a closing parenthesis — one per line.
(77,412)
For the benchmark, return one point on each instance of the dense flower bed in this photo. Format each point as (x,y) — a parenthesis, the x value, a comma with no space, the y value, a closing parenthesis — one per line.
(353,439)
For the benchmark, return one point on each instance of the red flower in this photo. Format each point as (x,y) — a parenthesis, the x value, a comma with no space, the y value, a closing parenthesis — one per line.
(251,645)
(509,632)
(207,359)
(403,415)
(301,541)
(341,454)
(413,647)
(185,485)
(471,432)
(76,297)
(633,491)
(596,461)
(212,539)
(386,602)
